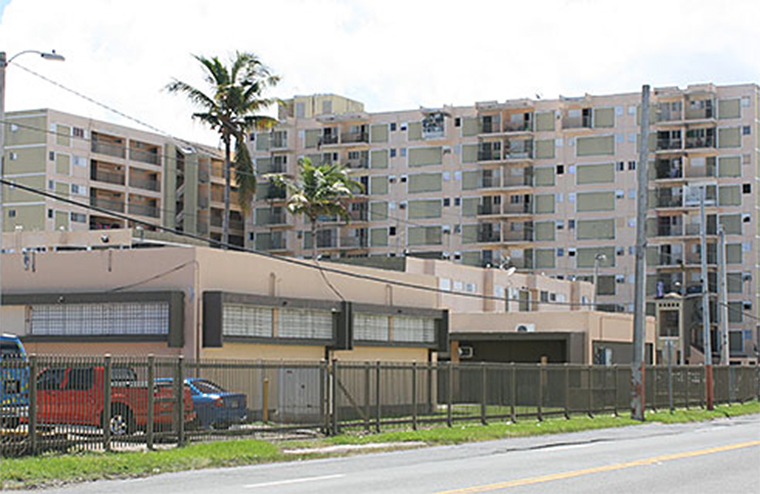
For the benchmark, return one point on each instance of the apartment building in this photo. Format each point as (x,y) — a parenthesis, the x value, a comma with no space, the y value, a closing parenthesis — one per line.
(547,186)
(145,175)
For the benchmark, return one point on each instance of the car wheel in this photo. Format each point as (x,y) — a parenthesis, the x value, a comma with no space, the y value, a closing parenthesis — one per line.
(122,422)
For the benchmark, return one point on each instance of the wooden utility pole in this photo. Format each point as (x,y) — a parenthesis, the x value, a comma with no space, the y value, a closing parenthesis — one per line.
(707,341)
(639,297)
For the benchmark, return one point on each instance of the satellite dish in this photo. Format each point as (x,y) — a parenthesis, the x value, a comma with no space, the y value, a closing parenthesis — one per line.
(511,271)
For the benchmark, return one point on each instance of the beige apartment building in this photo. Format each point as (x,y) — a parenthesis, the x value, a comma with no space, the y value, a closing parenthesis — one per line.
(147,176)
(547,186)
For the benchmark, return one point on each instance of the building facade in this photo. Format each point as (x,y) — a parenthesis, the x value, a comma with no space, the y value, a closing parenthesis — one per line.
(147,176)
(547,186)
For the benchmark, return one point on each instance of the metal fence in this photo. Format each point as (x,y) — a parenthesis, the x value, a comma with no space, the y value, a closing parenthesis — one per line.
(123,403)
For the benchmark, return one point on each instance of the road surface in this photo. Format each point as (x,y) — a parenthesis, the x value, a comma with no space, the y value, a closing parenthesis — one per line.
(720,456)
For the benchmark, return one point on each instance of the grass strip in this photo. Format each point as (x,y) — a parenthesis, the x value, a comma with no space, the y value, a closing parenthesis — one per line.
(55,468)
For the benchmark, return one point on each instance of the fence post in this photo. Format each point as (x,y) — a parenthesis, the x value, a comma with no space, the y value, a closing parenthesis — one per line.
(539,407)
(265,401)
(615,375)
(179,382)
(702,389)
(367,396)
(107,403)
(483,394)
(449,395)
(378,405)
(150,424)
(334,428)
(669,344)
(590,400)
(32,386)
(567,391)
(513,393)
(414,395)
(654,377)
(686,387)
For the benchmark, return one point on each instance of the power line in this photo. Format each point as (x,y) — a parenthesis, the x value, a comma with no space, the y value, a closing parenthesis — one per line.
(289,260)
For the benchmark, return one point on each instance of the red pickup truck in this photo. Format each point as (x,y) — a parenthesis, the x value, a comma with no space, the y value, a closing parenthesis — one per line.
(74,395)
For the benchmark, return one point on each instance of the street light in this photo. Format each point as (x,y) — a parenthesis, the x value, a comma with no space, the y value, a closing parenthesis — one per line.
(597,259)
(4,62)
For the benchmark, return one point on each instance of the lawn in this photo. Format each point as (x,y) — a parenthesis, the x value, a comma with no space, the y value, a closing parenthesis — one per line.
(56,469)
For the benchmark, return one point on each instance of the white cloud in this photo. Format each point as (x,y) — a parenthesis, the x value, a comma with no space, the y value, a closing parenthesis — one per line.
(390,55)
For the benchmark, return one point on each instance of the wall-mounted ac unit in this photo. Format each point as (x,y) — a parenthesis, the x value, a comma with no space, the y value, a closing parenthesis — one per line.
(525,328)
(465,352)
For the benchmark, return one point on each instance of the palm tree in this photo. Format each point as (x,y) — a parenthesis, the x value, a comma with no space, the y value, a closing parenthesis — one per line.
(318,190)
(232,109)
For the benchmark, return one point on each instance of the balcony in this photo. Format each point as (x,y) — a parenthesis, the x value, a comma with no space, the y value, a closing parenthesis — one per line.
(143,210)
(359,215)
(525,235)
(525,179)
(354,138)
(669,230)
(668,169)
(518,150)
(699,111)
(202,202)
(517,208)
(700,142)
(707,171)
(110,149)
(201,228)
(351,242)
(489,155)
(107,176)
(577,122)
(145,183)
(488,209)
(668,201)
(518,126)
(357,163)
(328,139)
(271,242)
(236,223)
(489,236)
(145,156)
(109,204)
(489,126)
(669,144)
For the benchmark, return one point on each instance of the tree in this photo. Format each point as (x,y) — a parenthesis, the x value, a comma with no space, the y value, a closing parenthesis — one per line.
(318,190)
(232,108)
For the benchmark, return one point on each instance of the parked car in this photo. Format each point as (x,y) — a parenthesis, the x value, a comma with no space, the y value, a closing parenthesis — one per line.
(214,406)
(74,395)
(14,381)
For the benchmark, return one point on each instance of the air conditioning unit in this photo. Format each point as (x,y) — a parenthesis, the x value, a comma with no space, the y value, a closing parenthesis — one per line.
(525,328)
(465,352)
(446,150)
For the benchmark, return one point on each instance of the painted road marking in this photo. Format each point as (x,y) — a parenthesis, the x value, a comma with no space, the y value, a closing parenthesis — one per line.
(294,481)
(605,468)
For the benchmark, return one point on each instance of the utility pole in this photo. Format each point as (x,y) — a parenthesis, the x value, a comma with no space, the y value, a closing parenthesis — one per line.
(639,297)
(722,297)
(598,258)
(707,343)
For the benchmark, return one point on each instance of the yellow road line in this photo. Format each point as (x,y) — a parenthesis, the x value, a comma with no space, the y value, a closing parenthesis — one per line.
(605,468)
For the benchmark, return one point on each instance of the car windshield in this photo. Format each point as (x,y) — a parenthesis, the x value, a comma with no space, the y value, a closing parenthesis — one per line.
(9,350)
(207,387)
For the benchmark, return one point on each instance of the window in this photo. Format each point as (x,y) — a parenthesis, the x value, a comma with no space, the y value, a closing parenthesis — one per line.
(78,189)
(620,166)
(403,152)
(457,201)
(13,156)
(392,231)
(446,202)
(51,155)
(560,169)
(403,127)
(747,188)
(11,213)
(570,224)
(50,214)
(559,224)
(457,122)
(393,152)
(77,132)
(14,128)
(746,130)
(560,252)
(571,252)
(78,217)
(631,165)
(393,126)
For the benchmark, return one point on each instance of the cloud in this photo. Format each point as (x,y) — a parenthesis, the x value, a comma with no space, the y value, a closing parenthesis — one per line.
(390,55)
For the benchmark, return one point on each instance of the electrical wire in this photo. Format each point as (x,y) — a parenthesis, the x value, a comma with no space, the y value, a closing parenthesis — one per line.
(288,260)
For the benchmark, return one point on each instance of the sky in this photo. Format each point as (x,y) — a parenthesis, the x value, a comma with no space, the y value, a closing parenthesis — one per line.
(388,54)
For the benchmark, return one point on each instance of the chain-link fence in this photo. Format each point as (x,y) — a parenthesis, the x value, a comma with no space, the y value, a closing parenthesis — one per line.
(104,403)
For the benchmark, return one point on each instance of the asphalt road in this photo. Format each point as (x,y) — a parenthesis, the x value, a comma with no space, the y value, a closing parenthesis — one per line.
(721,456)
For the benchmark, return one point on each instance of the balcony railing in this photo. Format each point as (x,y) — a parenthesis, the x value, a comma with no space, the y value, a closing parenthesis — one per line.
(486,209)
(108,204)
(669,201)
(354,137)
(489,127)
(359,215)
(518,180)
(326,139)
(203,202)
(202,228)
(518,151)
(486,236)
(143,210)
(669,230)
(668,170)
(583,122)
(699,113)
(115,150)
(700,142)
(108,177)
(353,242)
(518,208)
(666,144)
(216,221)
(358,163)
(701,171)
(144,183)
(490,182)
(489,155)
(272,168)
(144,156)
(274,219)
(518,126)
(272,243)
(203,176)
(236,224)
(669,259)
(518,235)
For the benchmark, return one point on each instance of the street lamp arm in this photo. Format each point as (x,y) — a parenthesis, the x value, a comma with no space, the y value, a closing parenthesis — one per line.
(44,54)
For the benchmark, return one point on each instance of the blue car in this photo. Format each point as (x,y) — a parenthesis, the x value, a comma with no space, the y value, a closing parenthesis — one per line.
(215,407)
(14,381)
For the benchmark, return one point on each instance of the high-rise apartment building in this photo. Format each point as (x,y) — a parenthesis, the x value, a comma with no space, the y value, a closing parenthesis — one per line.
(145,175)
(544,185)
